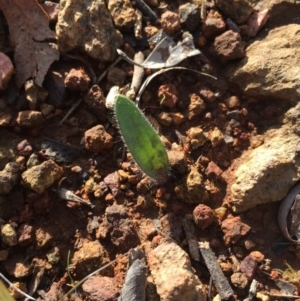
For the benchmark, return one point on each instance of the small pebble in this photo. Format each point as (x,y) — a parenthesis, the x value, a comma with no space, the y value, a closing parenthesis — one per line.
(232,102)
(239,280)
(9,235)
(258,256)
(203,216)
(77,80)
(170,22)
(7,70)
(249,244)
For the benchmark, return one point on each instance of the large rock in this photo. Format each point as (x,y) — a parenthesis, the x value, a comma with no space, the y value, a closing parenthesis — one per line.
(266,173)
(86,25)
(173,274)
(266,73)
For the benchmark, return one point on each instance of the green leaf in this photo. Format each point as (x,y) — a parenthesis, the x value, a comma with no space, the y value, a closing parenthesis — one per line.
(141,139)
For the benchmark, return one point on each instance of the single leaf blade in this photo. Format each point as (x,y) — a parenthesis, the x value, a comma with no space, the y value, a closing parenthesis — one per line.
(141,139)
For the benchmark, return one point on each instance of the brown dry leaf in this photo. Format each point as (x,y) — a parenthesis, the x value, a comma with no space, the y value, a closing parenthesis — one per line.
(30,33)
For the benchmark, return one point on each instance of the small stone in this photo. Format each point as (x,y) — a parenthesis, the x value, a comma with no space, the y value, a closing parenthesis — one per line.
(221,212)
(34,94)
(33,160)
(197,137)
(167,95)
(99,288)
(177,118)
(238,11)
(234,229)
(52,9)
(24,148)
(207,95)
(213,170)
(234,115)
(169,261)
(150,31)
(196,106)
(5,119)
(113,182)
(77,80)
(239,280)
(53,255)
(97,139)
(203,216)
(9,235)
(95,100)
(170,22)
(258,256)
(189,15)
(9,177)
(164,118)
(26,235)
(228,46)
(215,136)
(177,161)
(116,76)
(232,102)
(7,70)
(40,177)
(256,21)
(43,238)
(262,297)
(91,254)
(213,25)
(122,13)
(18,266)
(30,119)
(249,266)
(249,244)
(14,293)
(192,189)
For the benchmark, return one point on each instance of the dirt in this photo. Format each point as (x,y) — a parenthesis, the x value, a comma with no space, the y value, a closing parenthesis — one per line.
(68,240)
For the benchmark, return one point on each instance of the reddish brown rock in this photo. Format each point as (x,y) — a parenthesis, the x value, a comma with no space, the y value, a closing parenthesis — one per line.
(24,148)
(170,22)
(30,119)
(232,102)
(77,80)
(95,100)
(99,288)
(97,139)
(26,235)
(248,266)
(7,70)
(213,25)
(171,225)
(229,46)
(203,216)
(213,170)
(234,229)
(207,95)
(167,95)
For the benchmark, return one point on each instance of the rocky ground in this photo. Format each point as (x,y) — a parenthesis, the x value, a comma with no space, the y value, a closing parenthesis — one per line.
(209,231)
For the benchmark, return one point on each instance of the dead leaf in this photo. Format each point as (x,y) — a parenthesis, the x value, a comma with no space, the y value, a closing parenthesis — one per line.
(167,53)
(31,36)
